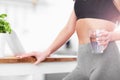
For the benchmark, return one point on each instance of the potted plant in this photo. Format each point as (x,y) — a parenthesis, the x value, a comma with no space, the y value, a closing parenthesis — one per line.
(4,24)
(5,29)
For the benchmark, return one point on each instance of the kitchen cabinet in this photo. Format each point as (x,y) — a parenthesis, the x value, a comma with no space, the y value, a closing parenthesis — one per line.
(24,69)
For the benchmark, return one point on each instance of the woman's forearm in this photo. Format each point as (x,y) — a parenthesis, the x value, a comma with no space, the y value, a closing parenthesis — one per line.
(61,38)
(115,35)
(63,35)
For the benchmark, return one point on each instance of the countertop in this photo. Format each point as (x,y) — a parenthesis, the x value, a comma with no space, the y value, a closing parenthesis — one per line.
(32,59)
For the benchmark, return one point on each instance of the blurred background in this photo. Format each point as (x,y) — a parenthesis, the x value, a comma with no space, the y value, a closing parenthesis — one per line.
(37,22)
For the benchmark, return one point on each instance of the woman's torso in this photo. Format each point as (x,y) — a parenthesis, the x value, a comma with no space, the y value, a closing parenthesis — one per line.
(94,14)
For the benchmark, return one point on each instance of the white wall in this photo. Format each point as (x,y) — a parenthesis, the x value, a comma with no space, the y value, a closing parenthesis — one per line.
(37,26)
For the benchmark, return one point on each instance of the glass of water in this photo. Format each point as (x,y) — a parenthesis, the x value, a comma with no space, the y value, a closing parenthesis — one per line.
(96,48)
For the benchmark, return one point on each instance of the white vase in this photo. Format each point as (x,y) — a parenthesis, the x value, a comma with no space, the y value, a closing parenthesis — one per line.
(14,43)
(2,44)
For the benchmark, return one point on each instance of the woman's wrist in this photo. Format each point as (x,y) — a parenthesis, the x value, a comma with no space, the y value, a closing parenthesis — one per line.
(47,52)
(114,36)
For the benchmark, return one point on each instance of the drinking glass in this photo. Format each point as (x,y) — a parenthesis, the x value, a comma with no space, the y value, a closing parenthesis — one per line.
(96,48)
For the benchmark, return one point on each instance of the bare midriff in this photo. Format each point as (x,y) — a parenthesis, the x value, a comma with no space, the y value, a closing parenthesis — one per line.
(86,25)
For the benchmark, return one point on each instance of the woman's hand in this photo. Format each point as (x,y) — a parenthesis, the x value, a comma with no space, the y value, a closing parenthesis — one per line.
(104,38)
(40,56)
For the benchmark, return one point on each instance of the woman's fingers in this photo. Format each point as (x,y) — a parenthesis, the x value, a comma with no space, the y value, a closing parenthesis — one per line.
(25,55)
(37,62)
(38,55)
(104,43)
(104,38)
(104,33)
(40,58)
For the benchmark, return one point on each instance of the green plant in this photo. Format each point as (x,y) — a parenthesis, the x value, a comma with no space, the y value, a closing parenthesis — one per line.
(4,24)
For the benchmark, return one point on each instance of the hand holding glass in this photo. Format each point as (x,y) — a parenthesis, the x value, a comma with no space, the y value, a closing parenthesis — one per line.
(96,48)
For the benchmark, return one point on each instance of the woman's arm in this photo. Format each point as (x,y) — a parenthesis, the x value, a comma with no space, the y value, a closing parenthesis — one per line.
(62,37)
(64,34)
(106,36)
(115,35)
(117,4)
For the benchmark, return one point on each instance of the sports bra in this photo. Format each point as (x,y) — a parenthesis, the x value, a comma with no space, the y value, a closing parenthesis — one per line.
(101,9)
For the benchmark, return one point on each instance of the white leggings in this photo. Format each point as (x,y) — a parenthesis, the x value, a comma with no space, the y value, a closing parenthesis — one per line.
(91,66)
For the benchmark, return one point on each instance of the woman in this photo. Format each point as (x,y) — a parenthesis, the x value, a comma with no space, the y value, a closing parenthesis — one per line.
(90,15)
